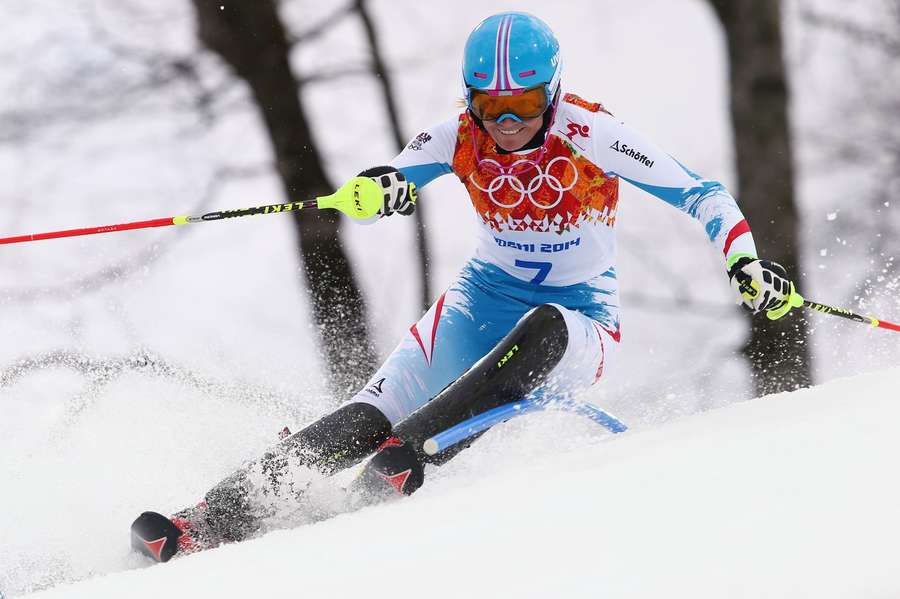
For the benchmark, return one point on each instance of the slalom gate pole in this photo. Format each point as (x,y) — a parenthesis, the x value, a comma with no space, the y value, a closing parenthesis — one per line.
(844,313)
(486,420)
(347,199)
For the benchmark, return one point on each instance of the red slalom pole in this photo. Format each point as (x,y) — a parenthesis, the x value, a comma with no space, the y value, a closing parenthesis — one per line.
(844,313)
(359,198)
(143,224)
(162,222)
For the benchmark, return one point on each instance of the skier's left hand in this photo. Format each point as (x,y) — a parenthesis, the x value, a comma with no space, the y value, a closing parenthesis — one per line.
(764,286)
(399,194)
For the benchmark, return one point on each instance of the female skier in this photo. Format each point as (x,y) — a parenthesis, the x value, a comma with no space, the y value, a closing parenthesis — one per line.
(534,311)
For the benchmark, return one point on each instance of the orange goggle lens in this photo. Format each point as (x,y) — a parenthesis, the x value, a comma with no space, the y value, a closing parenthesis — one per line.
(529,104)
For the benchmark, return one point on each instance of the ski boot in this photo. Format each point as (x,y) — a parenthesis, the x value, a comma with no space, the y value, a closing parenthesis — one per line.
(161,538)
(395,470)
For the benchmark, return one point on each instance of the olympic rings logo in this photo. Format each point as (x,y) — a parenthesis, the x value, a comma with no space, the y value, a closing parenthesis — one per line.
(510,175)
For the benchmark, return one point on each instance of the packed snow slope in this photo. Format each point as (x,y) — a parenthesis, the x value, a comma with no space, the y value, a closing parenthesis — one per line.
(793,495)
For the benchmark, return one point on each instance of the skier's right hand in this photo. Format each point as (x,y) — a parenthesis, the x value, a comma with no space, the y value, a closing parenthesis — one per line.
(399,194)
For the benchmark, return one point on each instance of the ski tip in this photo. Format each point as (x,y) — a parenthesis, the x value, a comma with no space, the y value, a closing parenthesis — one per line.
(155,536)
(430,446)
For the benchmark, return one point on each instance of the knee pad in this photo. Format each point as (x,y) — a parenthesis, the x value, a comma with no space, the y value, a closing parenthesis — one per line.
(523,359)
(545,321)
(509,372)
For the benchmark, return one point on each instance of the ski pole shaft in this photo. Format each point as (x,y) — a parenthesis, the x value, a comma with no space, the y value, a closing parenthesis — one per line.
(844,313)
(359,198)
(161,222)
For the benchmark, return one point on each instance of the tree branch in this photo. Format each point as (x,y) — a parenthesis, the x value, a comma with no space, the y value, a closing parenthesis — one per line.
(326,76)
(858,33)
(322,27)
(383,77)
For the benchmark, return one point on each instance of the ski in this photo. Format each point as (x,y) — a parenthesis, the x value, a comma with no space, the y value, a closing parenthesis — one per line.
(477,424)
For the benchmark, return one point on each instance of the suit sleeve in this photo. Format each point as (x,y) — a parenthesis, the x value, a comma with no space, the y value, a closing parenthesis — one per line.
(429,155)
(624,153)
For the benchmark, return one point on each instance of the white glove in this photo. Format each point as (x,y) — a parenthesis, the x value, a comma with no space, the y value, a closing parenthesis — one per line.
(764,286)
(399,194)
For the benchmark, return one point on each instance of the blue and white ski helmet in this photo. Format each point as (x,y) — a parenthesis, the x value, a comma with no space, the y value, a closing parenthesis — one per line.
(511,51)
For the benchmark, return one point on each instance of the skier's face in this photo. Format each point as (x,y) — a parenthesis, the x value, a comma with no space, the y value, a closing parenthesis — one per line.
(511,134)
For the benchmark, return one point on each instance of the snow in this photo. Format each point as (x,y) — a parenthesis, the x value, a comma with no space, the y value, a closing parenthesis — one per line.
(759,499)
(792,495)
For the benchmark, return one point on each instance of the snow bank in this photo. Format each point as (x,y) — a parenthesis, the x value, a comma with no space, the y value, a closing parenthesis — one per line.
(793,495)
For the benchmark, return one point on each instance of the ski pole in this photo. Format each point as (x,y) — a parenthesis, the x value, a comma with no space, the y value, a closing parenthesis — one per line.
(844,313)
(347,199)
(486,420)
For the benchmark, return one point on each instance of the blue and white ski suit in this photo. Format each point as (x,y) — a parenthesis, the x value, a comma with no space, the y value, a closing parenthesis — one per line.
(546,236)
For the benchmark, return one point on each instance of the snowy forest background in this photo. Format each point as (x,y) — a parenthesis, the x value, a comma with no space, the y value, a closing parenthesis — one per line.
(182,351)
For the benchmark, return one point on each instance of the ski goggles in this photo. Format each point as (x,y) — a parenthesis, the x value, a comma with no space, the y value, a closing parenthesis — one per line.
(515,104)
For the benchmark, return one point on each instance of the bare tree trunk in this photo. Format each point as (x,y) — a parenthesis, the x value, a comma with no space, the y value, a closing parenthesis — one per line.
(778,351)
(383,76)
(250,37)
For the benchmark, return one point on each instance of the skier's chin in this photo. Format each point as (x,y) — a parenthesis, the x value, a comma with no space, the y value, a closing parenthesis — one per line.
(514,137)
(511,143)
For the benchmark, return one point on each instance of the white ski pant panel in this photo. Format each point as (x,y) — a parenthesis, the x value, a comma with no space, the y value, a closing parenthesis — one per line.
(590,353)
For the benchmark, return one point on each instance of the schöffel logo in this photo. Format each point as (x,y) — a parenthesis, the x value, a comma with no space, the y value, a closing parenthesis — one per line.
(637,155)
(420,140)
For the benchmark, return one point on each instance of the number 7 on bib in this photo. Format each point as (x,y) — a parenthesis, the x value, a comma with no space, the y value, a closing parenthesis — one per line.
(542,268)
